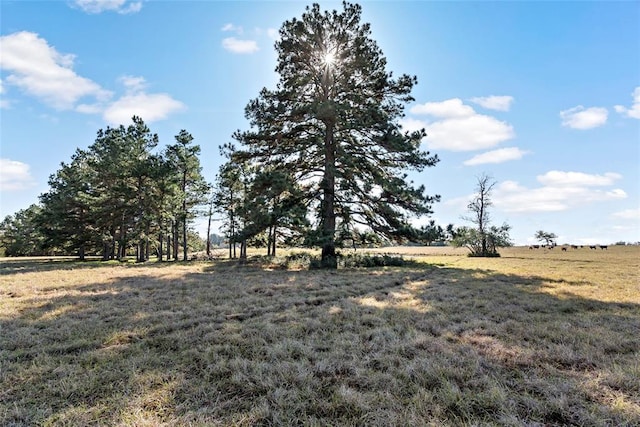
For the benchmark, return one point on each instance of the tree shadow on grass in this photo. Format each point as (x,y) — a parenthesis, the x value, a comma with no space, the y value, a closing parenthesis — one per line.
(10,266)
(396,346)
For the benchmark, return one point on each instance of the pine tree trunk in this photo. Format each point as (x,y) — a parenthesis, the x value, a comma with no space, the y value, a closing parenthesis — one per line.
(184,239)
(273,251)
(168,246)
(209,231)
(184,215)
(105,251)
(174,232)
(328,209)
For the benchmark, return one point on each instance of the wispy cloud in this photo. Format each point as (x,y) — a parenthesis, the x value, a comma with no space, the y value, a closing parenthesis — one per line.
(233,28)
(41,71)
(4,103)
(133,83)
(493,102)
(98,6)
(15,176)
(570,179)
(500,155)
(249,42)
(458,127)
(584,118)
(628,214)
(235,45)
(560,191)
(634,111)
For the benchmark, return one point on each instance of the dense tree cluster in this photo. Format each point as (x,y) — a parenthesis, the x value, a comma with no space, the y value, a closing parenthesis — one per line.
(115,197)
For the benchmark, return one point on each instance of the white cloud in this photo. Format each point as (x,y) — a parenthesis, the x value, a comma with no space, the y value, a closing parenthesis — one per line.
(273,33)
(628,214)
(150,107)
(235,45)
(493,102)
(133,84)
(570,179)
(90,108)
(412,125)
(4,103)
(99,6)
(233,28)
(14,176)
(451,108)
(634,111)
(500,155)
(557,194)
(41,71)
(584,118)
(460,128)
(475,132)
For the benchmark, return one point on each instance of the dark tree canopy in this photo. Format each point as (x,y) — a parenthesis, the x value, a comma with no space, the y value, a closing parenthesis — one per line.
(115,196)
(332,124)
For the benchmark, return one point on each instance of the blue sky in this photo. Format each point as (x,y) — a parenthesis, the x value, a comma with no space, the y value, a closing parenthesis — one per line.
(542,96)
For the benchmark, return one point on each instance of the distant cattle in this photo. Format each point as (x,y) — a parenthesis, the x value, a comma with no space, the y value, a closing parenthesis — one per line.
(592,247)
(564,249)
(603,247)
(574,247)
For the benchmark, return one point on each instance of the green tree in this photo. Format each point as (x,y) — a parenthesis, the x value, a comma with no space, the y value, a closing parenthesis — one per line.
(430,233)
(21,233)
(124,170)
(228,196)
(333,125)
(274,203)
(484,239)
(493,238)
(546,237)
(193,189)
(69,207)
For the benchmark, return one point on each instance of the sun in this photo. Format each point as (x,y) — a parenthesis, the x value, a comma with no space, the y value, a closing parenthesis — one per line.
(329,58)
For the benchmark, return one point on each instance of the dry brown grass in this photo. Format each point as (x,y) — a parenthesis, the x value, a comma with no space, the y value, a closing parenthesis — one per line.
(531,338)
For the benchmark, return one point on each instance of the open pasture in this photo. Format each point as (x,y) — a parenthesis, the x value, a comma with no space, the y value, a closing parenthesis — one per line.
(536,337)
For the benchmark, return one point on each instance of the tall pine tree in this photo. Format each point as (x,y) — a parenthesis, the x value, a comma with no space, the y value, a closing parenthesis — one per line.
(333,124)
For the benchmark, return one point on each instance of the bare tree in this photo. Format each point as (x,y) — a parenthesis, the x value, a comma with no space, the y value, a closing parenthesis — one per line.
(484,239)
(479,208)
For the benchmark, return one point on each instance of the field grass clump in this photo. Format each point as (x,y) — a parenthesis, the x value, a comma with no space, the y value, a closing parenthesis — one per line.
(531,338)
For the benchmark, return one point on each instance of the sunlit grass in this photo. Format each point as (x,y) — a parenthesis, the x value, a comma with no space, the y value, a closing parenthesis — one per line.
(531,338)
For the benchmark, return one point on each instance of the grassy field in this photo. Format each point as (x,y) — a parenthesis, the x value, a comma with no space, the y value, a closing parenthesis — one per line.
(536,337)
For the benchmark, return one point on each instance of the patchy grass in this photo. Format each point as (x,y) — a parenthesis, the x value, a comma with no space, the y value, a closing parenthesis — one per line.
(531,338)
